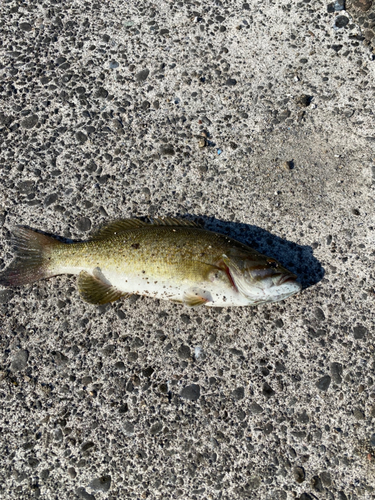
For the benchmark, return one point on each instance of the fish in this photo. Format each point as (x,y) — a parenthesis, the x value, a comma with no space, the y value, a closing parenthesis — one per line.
(170,259)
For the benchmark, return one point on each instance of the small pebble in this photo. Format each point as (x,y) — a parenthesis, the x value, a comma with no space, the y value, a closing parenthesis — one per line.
(299,474)
(102,483)
(83,224)
(341,21)
(191,392)
(19,361)
(142,75)
(323,383)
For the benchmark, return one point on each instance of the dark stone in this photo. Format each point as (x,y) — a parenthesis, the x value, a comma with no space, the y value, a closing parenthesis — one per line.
(358,414)
(342,496)
(299,474)
(5,120)
(60,60)
(142,75)
(29,122)
(102,483)
(253,483)
(59,358)
(279,323)
(359,332)
(83,224)
(305,496)
(231,82)
(191,392)
(183,352)
(267,390)
(50,199)
(156,428)
(326,478)
(129,428)
(87,446)
(363,5)
(372,441)
(33,462)
(284,114)
(268,428)
(5,296)
(81,137)
(319,314)
(167,150)
(19,361)
(316,484)
(279,367)
(163,388)
(238,393)
(341,21)
(336,372)
(147,372)
(82,493)
(323,383)
(26,187)
(72,472)
(26,26)
(303,417)
(101,92)
(123,408)
(185,318)
(303,100)
(255,408)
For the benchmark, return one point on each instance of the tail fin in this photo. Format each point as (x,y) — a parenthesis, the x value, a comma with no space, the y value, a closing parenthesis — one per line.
(32,258)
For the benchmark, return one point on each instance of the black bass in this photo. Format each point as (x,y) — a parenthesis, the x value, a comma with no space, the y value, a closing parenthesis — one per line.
(169,259)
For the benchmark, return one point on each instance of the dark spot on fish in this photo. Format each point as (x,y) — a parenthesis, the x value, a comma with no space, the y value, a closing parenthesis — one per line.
(136,246)
(272,263)
(143,272)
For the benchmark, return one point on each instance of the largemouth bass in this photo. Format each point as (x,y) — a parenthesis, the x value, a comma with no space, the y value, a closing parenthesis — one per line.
(169,259)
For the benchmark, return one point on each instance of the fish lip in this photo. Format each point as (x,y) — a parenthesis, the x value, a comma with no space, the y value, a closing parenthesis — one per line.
(287,278)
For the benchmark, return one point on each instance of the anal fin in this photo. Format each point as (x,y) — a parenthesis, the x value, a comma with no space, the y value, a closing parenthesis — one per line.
(95,291)
(195,297)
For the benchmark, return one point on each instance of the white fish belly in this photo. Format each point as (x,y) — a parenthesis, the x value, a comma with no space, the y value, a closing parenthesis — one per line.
(174,291)
(165,290)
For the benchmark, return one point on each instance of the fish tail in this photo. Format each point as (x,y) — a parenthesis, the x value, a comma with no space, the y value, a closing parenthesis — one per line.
(33,258)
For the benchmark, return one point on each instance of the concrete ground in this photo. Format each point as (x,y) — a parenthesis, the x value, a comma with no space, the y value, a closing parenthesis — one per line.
(256,119)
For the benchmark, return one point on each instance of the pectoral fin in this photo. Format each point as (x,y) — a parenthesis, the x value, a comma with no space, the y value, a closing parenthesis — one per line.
(195,297)
(96,291)
(234,274)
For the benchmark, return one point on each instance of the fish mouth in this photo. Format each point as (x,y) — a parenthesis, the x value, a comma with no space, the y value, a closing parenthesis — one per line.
(287,278)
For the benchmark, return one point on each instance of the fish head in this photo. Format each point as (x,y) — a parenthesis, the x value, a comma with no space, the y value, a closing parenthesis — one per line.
(260,278)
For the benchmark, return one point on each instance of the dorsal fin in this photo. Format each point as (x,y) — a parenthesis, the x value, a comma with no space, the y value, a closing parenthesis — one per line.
(173,221)
(117,226)
(120,225)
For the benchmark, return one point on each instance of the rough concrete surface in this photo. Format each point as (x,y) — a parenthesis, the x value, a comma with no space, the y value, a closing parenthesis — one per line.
(257,119)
